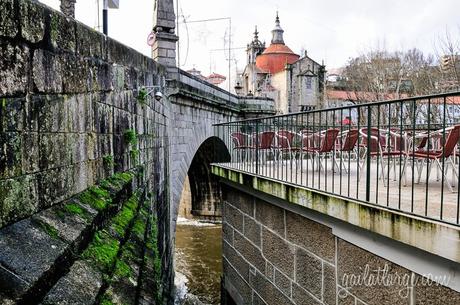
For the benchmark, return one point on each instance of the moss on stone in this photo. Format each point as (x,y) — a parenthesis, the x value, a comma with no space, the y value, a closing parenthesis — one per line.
(74,208)
(142,96)
(108,160)
(96,197)
(102,250)
(130,136)
(106,300)
(122,269)
(121,221)
(50,230)
(139,228)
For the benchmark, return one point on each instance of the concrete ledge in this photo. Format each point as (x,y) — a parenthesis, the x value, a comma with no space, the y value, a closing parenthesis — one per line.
(434,237)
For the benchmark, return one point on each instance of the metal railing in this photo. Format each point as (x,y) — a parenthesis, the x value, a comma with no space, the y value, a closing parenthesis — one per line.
(401,154)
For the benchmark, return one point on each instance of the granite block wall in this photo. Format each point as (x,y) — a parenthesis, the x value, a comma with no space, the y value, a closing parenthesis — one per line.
(71,116)
(273,256)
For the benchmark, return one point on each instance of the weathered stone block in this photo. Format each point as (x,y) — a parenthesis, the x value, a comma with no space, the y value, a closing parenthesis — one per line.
(309,272)
(18,198)
(54,150)
(355,262)
(80,286)
(30,152)
(54,115)
(62,32)
(77,113)
(12,114)
(90,43)
(69,225)
(430,292)
(240,200)
(329,284)
(283,283)
(32,113)
(47,72)
(252,230)
(13,68)
(55,185)
(267,291)
(278,252)
(256,300)
(32,21)
(10,154)
(8,24)
(302,297)
(233,217)
(311,235)
(75,76)
(270,216)
(236,260)
(27,252)
(270,271)
(236,286)
(103,118)
(227,233)
(249,252)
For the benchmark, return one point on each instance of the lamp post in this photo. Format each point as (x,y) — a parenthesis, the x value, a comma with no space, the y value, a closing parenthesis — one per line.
(105,13)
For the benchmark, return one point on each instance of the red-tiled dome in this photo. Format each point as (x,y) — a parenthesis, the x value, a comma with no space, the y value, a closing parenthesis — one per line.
(275,58)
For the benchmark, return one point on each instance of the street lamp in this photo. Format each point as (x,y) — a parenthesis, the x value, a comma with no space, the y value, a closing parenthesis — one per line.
(105,13)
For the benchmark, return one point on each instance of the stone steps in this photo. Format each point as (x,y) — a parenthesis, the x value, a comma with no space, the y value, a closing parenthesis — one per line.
(36,252)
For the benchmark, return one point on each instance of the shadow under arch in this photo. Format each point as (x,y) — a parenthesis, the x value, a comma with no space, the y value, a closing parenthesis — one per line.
(205,192)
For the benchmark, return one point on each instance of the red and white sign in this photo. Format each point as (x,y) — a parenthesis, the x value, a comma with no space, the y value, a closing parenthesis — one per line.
(151,39)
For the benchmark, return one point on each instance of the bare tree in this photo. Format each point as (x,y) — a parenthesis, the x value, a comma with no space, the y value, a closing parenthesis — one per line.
(448,53)
(380,75)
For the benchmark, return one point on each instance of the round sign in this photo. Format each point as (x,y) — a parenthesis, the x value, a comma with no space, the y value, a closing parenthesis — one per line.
(151,39)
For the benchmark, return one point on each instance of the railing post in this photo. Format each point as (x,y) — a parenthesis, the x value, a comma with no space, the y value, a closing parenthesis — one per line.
(368,157)
(257,147)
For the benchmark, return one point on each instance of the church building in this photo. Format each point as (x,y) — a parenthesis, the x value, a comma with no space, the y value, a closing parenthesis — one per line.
(295,83)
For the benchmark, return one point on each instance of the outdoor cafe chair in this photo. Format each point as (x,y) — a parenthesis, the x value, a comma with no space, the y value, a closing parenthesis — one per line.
(284,143)
(327,140)
(373,146)
(241,143)
(346,144)
(438,156)
(263,142)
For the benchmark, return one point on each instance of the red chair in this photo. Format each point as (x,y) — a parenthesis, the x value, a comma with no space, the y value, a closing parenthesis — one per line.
(240,140)
(374,143)
(346,143)
(437,156)
(284,142)
(263,142)
(326,146)
(241,143)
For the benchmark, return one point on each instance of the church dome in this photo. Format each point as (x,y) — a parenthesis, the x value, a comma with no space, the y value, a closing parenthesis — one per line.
(277,55)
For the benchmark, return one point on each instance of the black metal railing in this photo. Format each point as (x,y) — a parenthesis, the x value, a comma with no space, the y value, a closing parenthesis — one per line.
(401,154)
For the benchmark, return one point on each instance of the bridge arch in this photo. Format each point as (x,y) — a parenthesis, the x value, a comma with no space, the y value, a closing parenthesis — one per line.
(201,193)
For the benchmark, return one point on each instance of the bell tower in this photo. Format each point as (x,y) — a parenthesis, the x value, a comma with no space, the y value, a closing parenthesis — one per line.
(255,48)
(164,25)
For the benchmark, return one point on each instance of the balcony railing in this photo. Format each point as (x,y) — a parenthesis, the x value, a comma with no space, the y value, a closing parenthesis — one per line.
(401,154)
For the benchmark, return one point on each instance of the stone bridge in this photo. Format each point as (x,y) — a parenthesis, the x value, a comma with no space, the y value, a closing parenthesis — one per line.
(92,166)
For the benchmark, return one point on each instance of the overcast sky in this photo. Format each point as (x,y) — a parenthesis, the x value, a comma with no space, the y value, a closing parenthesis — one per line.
(330,30)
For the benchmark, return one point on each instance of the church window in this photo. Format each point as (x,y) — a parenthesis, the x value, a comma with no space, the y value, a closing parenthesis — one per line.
(308,82)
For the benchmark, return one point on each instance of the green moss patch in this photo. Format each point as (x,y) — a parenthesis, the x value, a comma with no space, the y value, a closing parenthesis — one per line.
(102,250)
(74,208)
(122,269)
(130,136)
(50,230)
(96,197)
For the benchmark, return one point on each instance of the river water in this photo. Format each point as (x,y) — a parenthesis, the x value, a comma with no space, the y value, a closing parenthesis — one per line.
(198,262)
